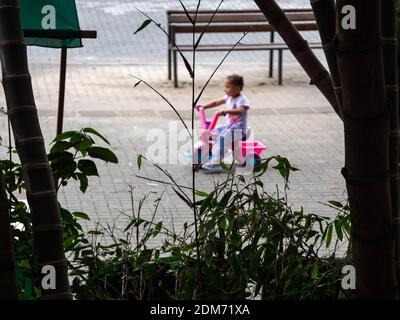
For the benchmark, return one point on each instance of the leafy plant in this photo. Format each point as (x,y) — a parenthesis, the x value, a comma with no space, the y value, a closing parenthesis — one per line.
(70,157)
(251,244)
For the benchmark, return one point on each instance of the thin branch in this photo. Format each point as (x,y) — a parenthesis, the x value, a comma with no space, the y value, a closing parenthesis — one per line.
(160,181)
(186,12)
(208,24)
(172,41)
(217,68)
(197,11)
(166,100)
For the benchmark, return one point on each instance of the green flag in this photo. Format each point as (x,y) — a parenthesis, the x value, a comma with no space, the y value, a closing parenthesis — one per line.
(50,15)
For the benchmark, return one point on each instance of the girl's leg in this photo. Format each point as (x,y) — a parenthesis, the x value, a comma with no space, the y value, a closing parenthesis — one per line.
(222,144)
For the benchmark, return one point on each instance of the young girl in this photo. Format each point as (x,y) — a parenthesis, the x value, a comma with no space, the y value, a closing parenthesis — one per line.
(236,113)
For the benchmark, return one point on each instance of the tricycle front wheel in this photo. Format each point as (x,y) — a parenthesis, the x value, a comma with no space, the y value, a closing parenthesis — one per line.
(251,160)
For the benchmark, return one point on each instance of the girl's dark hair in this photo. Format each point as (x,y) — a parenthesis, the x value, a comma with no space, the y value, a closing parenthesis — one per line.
(236,80)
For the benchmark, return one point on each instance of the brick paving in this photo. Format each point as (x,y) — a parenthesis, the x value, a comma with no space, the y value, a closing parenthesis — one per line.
(293,120)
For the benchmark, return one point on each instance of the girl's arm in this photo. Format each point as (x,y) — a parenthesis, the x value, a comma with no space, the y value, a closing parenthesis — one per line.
(236,112)
(212,104)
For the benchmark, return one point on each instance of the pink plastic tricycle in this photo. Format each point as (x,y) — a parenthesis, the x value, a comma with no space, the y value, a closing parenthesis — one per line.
(247,154)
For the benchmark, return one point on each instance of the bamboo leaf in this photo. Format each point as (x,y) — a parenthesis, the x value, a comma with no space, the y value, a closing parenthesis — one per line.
(328,238)
(144,25)
(184,198)
(225,199)
(336,203)
(95,232)
(338,229)
(207,202)
(139,161)
(201,193)
(224,166)
(235,263)
(314,272)
(187,65)
(133,221)
(346,225)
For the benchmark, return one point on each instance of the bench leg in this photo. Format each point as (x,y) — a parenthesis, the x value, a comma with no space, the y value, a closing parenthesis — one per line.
(169,64)
(280,67)
(271,57)
(175,69)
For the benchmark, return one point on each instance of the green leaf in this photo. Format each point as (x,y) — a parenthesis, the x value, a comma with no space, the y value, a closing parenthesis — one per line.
(346,224)
(81,215)
(76,139)
(65,135)
(328,238)
(130,224)
(336,203)
(338,228)
(90,130)
(207,203)
(183,198)
(103,154)
(60,146)
(224,166)
(95,232)
(145,255)
(88,167)
(139,161)
(83,146)
(225,199)
(259,183)
(235,264)
(314,272)
(60,157)
(187,65)
(201,193)
(158,227)
(83,182)
(144,25)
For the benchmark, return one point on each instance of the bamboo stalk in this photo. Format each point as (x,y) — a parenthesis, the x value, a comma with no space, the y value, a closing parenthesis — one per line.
(300,49)
(41,193)
(8,283)
(325,16)
(366,126)
(389,40)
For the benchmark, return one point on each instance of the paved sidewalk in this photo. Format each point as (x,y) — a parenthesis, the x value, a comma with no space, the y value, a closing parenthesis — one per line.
(293,120)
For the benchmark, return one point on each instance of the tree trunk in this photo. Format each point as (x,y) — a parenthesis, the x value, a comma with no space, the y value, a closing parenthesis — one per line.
(325,16)
(366,124)
(389,40)
(41,193)
(8,284)
(300,49)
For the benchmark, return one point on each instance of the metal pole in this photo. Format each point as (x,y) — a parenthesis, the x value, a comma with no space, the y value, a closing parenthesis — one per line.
(61,93)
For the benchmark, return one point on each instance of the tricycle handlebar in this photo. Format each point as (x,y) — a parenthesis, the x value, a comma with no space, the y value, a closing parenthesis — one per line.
(205,124)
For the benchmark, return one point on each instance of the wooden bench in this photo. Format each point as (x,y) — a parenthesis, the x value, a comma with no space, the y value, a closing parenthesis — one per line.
(233,21)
